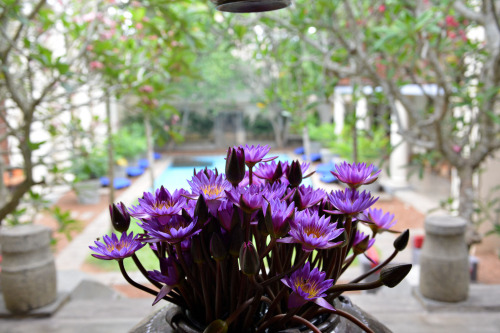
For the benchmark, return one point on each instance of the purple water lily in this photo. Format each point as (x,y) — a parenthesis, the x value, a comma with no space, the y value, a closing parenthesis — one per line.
(169,274)
(255,154)
(377,219)
(362,242)
(212,188)
(270,172)
(306,197)
(278,216)
(161,205)
(247,198)
(308,286)
(312,231)
(350,201)
(355,175)
(176,230)
(116,249)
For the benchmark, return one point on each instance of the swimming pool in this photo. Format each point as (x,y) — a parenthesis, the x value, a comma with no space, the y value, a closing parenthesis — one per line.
(176,175)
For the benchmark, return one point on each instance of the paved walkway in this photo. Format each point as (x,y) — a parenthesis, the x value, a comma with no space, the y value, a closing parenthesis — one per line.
(94,307)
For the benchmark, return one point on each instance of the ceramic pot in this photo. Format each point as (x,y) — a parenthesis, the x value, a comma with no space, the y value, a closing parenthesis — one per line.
(178,322)
(250,6)
(87,191)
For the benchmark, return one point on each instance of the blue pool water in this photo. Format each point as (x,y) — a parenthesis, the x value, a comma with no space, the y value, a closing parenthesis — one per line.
(176,175)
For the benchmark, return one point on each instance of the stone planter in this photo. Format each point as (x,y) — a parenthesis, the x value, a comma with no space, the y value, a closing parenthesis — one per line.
(444,260)
(87,191)
(28,275)
(178,322)
(250,6)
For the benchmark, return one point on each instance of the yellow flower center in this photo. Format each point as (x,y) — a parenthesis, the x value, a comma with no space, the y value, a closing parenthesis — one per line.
(311,230)
(310,288)
(212,190)
(163,204)
(117,247)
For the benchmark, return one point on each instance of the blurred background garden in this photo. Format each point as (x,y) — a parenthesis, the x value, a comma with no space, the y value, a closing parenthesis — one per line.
(99,96)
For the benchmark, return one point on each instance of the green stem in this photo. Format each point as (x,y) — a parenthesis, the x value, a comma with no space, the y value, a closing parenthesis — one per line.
(132,282)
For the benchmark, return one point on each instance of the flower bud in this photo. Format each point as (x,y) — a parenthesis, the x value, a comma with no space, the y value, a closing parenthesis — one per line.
(217,248)
(217,326)
(249,259)
(120,218)
(235,165)
(402,240)
(277,173)
(294,174)
(362,246)
(201,211)
(391,276)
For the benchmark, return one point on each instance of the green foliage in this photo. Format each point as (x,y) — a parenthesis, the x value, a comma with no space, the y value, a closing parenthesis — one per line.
(260,127)
(129,141)
(65,223)
(373,146)
(324,133)
(89,164)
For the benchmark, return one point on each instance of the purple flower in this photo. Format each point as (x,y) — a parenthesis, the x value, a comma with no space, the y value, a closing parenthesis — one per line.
(255,180)
(176,230)
(270,171)
(235,165)
(361,242)
(312,231)
(255,154)
(304,166)
(278,216)
(378,221)
(354,174)
(350,201)
(120,217)
(228,215)
(161,206)
(247,198)
(169,274)
(112,248)
(212,188)
(308,286)
(306,197)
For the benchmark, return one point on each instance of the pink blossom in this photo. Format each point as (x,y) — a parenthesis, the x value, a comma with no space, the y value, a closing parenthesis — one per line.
(139,26)
(146,89)
(463,35)
(456,148)
(381,8)
(166,128)
(451,34)
(108,34)
(153,37)
(96,65)
(90,47)
(88,17)
(175,119)
(450,21)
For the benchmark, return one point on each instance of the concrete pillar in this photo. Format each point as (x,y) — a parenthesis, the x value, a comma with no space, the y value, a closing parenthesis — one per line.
(361,114)
(28,268)
(338,113)
(400,154)
(444,263)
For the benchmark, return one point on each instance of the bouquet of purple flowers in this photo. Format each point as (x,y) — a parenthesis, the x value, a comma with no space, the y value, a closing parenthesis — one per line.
(253,250)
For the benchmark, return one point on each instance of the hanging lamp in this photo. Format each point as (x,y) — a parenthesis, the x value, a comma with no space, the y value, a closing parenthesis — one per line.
(250,6)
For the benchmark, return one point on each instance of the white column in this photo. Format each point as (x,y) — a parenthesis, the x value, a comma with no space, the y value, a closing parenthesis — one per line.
(361,112)
(399,156)
(338,112)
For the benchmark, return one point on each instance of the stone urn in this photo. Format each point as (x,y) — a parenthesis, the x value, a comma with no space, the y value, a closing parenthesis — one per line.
(28,276)
(172,319)
(250,6)
(87,191)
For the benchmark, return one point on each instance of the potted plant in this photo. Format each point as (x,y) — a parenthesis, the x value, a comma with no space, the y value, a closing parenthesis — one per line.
(129,143)
(253,250)
(88,168)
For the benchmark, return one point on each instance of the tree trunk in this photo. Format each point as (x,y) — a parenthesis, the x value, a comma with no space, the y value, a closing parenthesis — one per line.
(149,141)
(111,161)
(466,203)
